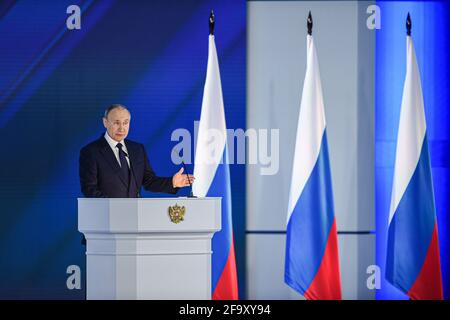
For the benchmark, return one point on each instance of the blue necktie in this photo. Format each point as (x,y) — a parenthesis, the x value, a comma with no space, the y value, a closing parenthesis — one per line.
(124,170)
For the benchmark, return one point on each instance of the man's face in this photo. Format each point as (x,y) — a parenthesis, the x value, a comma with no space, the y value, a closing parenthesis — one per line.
(117,124)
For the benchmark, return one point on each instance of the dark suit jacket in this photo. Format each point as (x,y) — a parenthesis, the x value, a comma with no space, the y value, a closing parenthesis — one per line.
(100,172)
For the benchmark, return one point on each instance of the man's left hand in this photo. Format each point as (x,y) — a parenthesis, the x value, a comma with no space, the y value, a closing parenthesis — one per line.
(180,180)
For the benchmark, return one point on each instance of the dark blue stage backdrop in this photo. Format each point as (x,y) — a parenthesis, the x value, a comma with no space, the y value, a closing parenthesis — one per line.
(431,36)
(54,86)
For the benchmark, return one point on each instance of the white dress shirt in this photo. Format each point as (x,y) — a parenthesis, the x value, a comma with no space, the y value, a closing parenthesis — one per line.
(113,144)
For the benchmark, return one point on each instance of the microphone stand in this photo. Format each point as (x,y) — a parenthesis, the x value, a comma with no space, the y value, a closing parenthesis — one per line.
(191,195)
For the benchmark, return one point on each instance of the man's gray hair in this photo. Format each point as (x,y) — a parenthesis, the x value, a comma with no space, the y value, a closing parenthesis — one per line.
(114,106)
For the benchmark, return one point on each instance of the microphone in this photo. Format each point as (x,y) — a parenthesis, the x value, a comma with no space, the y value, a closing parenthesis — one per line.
(132,174)
(191,195)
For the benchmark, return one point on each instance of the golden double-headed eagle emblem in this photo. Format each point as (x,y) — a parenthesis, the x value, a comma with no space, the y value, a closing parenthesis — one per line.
(176,213)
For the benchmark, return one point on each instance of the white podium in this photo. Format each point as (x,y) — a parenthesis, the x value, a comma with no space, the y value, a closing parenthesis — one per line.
(154,248)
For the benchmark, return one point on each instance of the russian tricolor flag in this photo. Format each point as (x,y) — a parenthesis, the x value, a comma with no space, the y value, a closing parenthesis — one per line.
(212,178)
(413,262)
(312,260)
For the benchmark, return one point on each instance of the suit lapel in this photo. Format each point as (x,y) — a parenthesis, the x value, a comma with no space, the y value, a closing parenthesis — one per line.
(107,152)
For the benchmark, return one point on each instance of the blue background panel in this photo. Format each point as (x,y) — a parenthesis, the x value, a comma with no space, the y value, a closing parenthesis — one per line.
(54,86)
(430,33)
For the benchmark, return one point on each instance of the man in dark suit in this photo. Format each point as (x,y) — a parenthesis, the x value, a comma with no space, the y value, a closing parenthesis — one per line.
(115,167)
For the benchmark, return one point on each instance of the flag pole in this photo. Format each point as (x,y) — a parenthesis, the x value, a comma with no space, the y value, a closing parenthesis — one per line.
(211,23)
(213,177)
(408,25)
(309,23)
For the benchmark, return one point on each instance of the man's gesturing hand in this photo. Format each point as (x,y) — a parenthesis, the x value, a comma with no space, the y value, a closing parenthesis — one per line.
(180,180)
